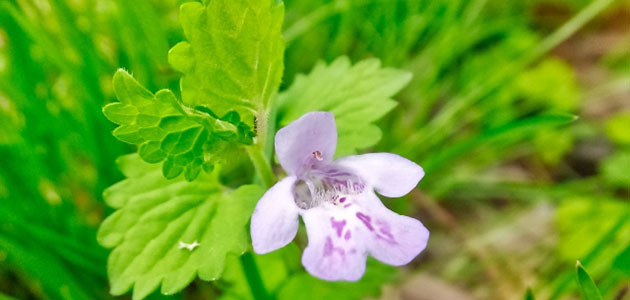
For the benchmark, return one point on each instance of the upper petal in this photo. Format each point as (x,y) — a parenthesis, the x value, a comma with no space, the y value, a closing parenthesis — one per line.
(390,174)
(335,248)
(275,219)
(297,143)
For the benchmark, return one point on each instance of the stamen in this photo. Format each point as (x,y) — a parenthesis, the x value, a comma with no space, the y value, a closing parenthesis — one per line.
(318,155)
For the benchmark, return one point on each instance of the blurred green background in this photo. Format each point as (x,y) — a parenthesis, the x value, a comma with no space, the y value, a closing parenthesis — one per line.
(514,194)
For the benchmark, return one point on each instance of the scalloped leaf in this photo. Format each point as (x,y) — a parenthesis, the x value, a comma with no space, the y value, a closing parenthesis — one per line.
(154,215)
(233,56)
(164,130)
(358,95)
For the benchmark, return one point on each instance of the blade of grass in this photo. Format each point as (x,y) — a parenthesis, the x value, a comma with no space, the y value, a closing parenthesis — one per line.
(447,117)
(57,281)
(6,297)
(510,129)
(564,281)
(587,285)
(529,295)
(86,256)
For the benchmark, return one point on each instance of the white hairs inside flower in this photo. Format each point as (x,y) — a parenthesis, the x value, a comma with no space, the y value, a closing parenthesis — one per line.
(326,185)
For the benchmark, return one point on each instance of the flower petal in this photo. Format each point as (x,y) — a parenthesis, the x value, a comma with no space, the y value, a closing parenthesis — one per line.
(309,139)
(390,174)
(335,251)
(394,239)
(275,219)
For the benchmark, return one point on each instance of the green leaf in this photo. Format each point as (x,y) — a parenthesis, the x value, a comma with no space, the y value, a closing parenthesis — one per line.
(515,128)
(553,144)
(529,295)
(587,286)
(617,128)
(165,130)
(622,262)
(357,95)
(233,59)
(550,85)
(285,278)
(232,65)
(603,221)
(275,268)
(154,214)
(6,297)
(614,169)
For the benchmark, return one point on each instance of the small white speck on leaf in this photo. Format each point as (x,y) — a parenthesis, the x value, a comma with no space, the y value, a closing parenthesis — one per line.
(188,246)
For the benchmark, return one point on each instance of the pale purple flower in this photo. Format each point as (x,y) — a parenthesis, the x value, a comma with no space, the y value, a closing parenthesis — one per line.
(345,220)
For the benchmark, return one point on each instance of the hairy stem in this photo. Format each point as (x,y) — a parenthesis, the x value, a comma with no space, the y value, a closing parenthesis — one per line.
(261,164)
(252,274)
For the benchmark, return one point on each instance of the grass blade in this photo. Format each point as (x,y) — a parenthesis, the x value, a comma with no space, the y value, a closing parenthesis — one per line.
(516,127)
(588,287)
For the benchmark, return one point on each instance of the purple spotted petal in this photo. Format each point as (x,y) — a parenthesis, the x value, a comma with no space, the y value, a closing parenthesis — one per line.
(335,250)
(275,219)
(309,140)
(393,239)
(391,175)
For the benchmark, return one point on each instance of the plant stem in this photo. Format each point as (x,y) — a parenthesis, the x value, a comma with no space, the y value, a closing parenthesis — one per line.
(256,153)
(261,164)
(254,280)
(252,274)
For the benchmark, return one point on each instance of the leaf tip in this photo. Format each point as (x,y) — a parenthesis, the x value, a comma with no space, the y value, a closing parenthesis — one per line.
(579,266)
(120,73)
